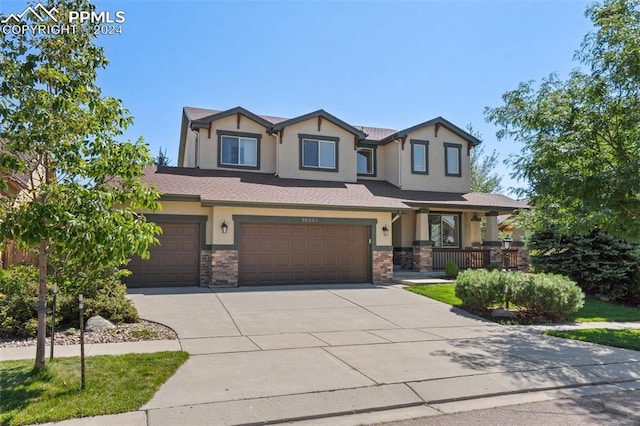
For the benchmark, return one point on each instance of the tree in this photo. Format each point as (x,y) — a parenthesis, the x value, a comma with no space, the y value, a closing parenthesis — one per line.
(161,159)
(483,177)
(581,136)
(60,131)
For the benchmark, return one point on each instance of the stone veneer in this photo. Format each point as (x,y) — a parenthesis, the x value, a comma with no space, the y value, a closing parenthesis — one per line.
(205,267)
(224,268)
(382,266)
(523,259)
(495,255)
(422,258)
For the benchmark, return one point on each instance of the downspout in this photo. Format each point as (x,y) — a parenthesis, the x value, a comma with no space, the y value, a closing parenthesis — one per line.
(197,159)
(277,154)
(399,164)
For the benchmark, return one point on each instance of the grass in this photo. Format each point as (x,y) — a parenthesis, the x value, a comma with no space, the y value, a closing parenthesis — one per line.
(627,338)
(114,384)
(445,293)
(593,310)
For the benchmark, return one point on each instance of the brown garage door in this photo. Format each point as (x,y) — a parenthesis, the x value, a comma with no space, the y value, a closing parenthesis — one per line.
(174,262)
(272,254)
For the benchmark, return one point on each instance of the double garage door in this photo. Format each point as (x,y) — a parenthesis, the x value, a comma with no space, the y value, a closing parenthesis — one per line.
(268,254)
(272,254)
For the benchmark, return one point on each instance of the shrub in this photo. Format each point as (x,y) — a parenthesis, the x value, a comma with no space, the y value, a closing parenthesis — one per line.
(598,262)
(479,288)
(451,269)
(549,295)
(19,302)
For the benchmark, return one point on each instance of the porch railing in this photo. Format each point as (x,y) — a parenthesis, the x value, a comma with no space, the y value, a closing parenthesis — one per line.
(510,259)
(464,258)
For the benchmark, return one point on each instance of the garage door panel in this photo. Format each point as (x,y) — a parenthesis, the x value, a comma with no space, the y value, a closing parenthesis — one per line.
(174,262)
(297,254)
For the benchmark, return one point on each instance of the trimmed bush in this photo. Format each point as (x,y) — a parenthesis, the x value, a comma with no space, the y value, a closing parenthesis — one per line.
(552,296)
(479,288)
(549,295)
(493,266)
(451,269)
(19,302)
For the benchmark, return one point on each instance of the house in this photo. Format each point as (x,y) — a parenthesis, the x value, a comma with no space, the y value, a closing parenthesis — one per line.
(16,186)
(262,200)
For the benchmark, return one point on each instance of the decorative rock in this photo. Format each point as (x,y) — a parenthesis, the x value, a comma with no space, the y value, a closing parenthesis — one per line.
(503,313)
(98,323)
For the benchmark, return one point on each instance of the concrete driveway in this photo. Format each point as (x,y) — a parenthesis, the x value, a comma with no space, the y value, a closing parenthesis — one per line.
(295,353)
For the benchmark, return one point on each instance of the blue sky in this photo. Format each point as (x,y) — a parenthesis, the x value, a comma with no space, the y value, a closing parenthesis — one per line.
(383,63)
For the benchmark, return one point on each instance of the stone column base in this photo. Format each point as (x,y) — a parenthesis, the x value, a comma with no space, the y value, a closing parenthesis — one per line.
(422,258)
(382,267)
(205,267)
(224,268)
(523,259)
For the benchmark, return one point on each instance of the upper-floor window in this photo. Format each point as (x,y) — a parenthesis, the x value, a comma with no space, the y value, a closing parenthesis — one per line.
(366,161)
(452,159)
(419,156)
(236,149)
(319,154)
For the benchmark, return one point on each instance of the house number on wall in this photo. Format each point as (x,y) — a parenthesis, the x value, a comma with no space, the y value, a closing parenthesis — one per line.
(310,220)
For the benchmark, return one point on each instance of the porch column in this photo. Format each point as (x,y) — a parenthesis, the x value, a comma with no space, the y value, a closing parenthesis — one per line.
(475,232)
(492,243)
(422,245)
(523,253)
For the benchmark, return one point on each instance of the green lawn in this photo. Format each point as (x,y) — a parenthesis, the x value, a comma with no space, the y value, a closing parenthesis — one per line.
(114,384)
(627,338)
(593,310)
(445,293)
(598,311)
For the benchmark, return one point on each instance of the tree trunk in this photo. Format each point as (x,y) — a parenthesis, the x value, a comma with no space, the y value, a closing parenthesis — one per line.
(42,305)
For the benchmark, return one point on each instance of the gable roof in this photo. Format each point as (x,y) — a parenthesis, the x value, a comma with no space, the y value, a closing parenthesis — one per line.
(203,122)
(224,187)
(438,120)
(325,115)
(371,134)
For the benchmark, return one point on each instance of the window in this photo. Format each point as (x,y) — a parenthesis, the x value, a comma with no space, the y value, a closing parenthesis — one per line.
(419,157)
(237,149)
(321,154)
(452,162)
(366,161)
(444,230)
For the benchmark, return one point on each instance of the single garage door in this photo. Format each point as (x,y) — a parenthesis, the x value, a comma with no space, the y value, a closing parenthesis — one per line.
(174,262)
(272,254)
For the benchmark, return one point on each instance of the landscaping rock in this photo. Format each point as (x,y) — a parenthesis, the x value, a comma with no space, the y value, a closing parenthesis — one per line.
(503,313)
(98,323)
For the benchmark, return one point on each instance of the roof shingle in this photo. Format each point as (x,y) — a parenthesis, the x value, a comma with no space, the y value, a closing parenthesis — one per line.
(231,187)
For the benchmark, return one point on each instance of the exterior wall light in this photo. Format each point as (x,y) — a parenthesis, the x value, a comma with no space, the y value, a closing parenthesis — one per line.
(224,227)
(385,230)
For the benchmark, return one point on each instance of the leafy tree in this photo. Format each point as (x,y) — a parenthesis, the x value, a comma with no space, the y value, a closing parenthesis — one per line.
(61,132)
(161,159)
(483,176)
(581,136)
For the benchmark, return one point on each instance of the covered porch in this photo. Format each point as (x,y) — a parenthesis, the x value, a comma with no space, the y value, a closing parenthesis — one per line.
(425,239)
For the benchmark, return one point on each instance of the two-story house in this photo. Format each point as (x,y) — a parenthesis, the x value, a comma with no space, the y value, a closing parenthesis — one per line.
(261,200)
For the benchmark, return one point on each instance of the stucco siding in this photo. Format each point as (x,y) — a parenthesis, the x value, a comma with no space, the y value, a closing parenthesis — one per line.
(436,180)
(226,213)
(208,155)
(388,159)
(289,151)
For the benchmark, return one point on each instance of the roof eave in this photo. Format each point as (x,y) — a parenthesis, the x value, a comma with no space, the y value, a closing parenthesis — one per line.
(325,115)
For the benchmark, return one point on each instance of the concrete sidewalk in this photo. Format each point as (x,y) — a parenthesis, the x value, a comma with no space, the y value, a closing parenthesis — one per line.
(317,353)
